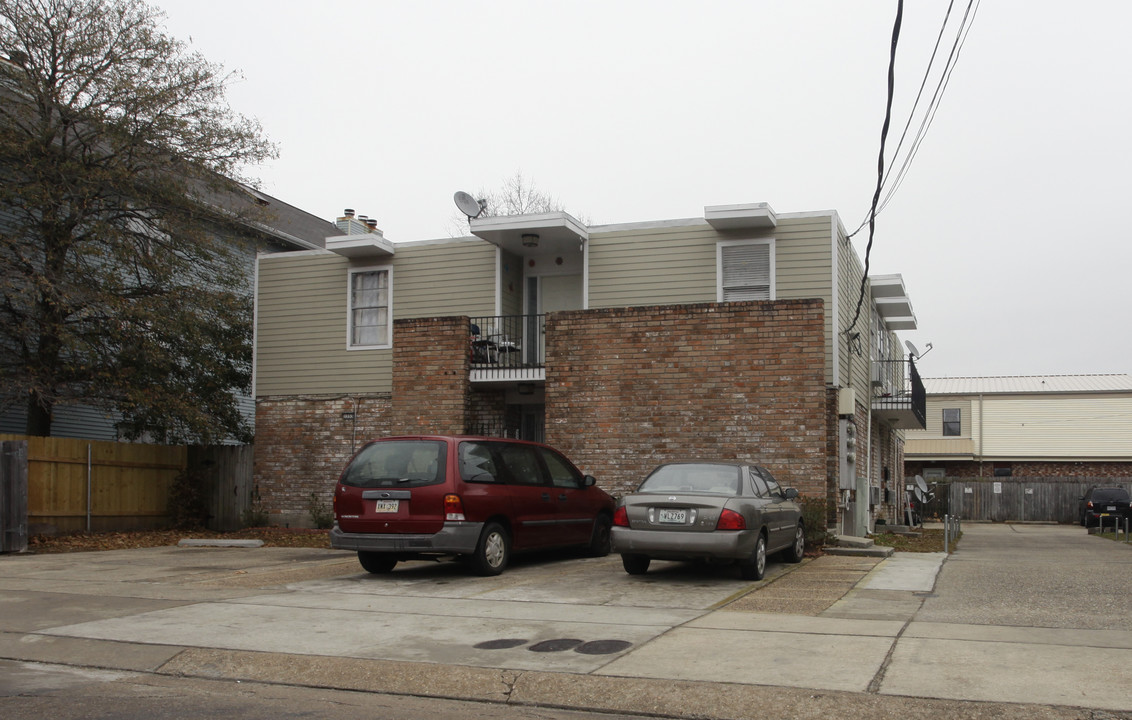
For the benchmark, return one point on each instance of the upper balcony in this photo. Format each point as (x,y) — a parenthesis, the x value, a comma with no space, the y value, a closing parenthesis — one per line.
(899,399)
(507,348)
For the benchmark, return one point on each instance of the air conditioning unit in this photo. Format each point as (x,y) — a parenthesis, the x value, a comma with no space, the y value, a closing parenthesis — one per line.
(879,376)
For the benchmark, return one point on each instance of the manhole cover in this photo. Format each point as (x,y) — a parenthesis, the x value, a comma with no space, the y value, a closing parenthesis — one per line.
(500,644)
(555,645)
(602,647)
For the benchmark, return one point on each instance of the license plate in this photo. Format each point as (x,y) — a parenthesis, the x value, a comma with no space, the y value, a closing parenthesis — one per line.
(386,506)
(673,516)
(1111,508)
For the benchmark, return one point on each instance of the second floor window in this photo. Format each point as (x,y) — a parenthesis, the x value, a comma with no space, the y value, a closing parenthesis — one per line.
(369,308)
(951,424)
(746,271)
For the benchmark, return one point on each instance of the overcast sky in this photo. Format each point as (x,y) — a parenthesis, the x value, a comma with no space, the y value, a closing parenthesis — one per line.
(1010,228)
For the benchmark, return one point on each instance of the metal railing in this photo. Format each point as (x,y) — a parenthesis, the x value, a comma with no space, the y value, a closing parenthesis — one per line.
(893,389)
(507,342)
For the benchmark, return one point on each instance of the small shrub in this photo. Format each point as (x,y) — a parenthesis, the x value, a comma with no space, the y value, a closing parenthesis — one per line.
(814,514)
(187,507)
(321,513)
(255,514)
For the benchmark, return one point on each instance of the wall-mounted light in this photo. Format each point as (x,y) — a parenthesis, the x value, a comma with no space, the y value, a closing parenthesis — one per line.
(530,240)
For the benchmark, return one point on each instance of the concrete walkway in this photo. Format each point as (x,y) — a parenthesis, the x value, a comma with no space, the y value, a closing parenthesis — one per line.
(891,637)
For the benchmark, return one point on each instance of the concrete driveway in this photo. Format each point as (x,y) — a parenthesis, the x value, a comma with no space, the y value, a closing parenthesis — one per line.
(1027,619)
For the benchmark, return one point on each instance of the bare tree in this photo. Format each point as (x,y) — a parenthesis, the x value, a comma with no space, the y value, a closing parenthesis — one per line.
(517,196)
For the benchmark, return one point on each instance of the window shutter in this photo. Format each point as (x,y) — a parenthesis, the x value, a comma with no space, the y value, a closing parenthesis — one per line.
(746,272)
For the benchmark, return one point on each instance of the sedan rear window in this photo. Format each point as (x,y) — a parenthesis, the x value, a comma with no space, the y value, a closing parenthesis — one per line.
(693,477)
(397,463)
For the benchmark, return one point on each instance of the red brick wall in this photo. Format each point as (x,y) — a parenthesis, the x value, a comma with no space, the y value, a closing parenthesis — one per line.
(301,445)
(627,389)
(430,376)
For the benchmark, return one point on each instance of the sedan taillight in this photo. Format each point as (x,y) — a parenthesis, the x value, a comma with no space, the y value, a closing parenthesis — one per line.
(621,517)
(730,520)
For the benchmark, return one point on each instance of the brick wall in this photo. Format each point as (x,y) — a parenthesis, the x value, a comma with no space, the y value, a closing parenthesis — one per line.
(430,376)
(301,445)
(627,389)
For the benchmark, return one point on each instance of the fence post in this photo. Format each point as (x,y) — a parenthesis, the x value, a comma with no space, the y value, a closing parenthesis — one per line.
(946,528)
(13,496)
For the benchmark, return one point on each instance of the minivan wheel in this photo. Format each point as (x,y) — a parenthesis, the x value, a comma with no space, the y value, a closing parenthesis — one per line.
(376,563)
(493,551)
(754,567)
(599,540)
(635,564)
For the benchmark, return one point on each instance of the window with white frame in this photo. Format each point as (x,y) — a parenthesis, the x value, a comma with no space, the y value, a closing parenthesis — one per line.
(952,422)
(745,270)
(370,308)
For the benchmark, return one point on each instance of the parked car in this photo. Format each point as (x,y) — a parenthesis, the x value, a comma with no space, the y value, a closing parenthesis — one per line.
(708,511)
(1105,503)
(474,498)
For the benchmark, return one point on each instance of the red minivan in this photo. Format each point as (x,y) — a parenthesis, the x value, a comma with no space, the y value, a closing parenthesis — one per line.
(476,498)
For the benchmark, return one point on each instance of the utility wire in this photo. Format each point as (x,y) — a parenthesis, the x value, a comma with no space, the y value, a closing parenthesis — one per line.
(880,160)
(941,88)
(929,116)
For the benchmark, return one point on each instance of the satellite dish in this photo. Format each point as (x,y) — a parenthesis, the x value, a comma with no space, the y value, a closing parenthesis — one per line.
(919,495)
(912,349)
(921,485)
(468,204)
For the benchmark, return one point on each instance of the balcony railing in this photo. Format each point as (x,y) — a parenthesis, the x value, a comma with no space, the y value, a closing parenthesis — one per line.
(507,347)
(899,398)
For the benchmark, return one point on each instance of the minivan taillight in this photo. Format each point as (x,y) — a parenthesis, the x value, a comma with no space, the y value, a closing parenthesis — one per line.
(730,520)
(453,508)
(621,517)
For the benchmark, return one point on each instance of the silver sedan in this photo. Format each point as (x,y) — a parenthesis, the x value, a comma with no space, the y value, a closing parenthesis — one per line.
(708,511)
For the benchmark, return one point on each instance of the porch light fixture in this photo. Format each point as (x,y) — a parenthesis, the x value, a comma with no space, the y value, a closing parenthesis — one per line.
(530,240)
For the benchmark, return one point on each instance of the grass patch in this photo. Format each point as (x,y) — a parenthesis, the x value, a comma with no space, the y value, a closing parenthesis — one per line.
(926,541)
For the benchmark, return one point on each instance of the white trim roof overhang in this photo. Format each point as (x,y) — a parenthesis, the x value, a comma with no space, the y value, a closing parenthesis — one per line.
(740,217)
(364,246)
(554,230)
(892,301)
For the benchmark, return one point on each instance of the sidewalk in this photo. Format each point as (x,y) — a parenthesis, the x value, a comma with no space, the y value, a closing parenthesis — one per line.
(835,636)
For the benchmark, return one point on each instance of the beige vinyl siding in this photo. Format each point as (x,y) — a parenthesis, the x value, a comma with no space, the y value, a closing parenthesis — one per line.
(804,269)
(854,367)
(653,266)
(301,344)
(301,330)
(1058,426)
(952,447)
(432,280)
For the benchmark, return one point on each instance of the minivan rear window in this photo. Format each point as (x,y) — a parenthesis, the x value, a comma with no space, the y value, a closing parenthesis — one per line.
(397,463)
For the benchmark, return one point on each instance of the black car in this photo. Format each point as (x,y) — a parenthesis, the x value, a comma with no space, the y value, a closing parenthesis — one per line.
(1103,504)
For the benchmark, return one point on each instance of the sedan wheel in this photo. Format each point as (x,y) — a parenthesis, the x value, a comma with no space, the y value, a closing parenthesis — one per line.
(493,550)
(636,564)
(798,550)
(754,567)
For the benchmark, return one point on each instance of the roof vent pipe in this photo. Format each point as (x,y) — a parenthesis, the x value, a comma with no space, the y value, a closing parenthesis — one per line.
(348,212)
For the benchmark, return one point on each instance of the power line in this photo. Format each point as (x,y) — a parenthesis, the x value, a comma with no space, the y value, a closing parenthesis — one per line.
(933,106)
(880,159)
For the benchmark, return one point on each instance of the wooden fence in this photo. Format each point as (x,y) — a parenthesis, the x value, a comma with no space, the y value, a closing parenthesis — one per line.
(75,485)
(1016,499)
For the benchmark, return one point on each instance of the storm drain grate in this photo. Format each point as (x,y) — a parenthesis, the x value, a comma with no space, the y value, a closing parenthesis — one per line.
(555,645)
(500,644)
(603,647)
(593,647)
